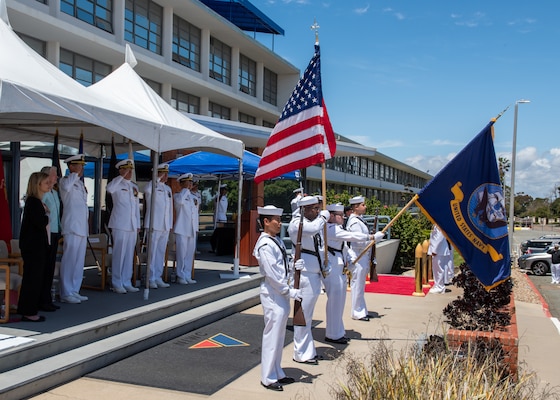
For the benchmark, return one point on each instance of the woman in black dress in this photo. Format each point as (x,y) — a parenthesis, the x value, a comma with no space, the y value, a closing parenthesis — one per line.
(34,246)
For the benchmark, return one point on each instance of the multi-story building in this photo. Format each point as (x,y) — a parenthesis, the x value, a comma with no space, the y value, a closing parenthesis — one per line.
(200,56)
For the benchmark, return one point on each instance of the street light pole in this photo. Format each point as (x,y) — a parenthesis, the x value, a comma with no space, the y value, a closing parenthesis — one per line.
(512,182)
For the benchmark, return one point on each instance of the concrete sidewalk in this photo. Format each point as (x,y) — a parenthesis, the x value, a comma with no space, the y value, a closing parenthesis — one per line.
(402,320)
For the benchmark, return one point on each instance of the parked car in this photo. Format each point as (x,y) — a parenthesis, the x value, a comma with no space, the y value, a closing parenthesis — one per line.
(538,263)
(538,245)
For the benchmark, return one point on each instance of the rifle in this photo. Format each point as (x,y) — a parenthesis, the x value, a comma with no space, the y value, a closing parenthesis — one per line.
(372,261)
(299,318)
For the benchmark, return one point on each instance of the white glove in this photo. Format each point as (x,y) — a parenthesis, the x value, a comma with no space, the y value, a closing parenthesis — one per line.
(325,214)
(299,264)
(295,294)
(378,236)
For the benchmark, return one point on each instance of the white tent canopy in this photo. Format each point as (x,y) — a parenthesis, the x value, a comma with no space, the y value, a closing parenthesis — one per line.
(36,99)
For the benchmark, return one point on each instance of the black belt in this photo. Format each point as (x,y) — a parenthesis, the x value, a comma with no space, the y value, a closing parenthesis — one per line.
(332,250)
(313,253)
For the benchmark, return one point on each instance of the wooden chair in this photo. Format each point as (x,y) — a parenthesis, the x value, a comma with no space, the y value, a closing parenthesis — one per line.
(97,259)
(8,281)
(11,274)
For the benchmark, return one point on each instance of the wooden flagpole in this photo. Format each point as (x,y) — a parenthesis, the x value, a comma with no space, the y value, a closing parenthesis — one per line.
(391,222)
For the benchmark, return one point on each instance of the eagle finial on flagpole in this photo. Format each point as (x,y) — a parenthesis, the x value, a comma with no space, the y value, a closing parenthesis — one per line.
(316,27)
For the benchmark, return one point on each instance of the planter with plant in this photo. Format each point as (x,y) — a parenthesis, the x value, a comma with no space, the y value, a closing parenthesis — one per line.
(481,315)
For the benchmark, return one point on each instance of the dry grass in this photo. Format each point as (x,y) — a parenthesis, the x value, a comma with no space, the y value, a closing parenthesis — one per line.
(436,375)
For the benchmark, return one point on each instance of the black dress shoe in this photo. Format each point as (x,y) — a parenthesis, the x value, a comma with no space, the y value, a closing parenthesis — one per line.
(364,319)
(47,308)
(286,380)
(274,386)
(40,319)
(55,306)
(341,340)
(309,362)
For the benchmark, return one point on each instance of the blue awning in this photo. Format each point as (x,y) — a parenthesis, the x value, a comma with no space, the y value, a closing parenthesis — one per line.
(244,15)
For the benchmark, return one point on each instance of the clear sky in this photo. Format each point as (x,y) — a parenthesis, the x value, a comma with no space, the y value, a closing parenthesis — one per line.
(417,80)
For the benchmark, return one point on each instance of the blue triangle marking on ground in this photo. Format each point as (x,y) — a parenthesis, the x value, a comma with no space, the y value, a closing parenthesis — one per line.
(227,341)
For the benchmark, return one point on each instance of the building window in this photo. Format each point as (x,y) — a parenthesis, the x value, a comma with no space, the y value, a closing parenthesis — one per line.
(186,43)
(38,45)
(247,76)
(218,111)
(185,102)
(248,119)
(83,69)
(43,1)
(270,89)
(156,86)
(98,13)
(268,124)
(220,61)
(143,20)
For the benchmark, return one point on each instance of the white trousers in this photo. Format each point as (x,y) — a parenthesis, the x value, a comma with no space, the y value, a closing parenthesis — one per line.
(72,264)
(158,244)
(555,272)
(276,310)
(439,267)
(310,285)
(124,243)
(185,246)
(358,286)
(335,286)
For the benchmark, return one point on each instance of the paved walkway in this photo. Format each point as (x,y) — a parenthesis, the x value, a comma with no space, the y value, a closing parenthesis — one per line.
(401,320)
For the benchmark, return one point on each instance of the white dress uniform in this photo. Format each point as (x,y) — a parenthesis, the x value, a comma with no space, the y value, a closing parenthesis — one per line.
(275,299)
(75,230)
(124,222)
(163,222)
(450,267)
(360,269)
(186,231)
(335,282)
(440,252)
(221,203)
(310,282)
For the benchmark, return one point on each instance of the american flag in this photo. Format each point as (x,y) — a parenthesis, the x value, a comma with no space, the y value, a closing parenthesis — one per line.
(303,135)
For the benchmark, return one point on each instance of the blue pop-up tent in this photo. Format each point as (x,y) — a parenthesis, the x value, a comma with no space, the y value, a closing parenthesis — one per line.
(207,165)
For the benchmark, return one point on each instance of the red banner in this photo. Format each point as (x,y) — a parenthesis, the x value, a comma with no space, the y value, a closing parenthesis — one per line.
(5,220)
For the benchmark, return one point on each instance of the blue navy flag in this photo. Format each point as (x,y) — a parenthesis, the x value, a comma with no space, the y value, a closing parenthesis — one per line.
(465,199)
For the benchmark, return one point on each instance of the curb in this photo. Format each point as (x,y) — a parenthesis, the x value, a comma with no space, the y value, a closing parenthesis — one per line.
(539,295)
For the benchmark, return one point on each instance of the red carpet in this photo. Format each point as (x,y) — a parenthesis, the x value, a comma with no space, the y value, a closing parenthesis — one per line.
(394,284)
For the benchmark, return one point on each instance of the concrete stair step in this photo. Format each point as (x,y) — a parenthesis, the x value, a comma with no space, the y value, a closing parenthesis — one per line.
(86,349)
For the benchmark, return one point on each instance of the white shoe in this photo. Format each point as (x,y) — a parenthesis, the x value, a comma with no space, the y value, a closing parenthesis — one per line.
(131,289)
(182,281)
(79,296)
(190,280)
(161,283)
(70,299)
(152,285)
(438,291)
(119,290)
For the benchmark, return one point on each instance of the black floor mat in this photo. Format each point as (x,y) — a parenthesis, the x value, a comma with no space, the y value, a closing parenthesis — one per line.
(202,361)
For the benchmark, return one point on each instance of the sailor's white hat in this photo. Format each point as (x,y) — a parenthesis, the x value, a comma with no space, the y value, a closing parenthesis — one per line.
(270,210)
(357,200)
(338,207)
(307,201)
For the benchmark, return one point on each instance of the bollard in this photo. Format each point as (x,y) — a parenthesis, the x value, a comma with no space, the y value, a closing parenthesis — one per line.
(418,271)
(425,265)
(425,247)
